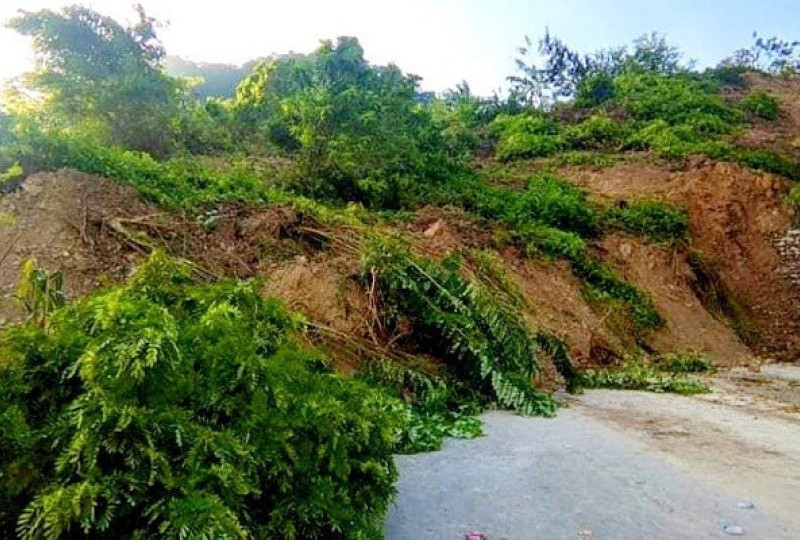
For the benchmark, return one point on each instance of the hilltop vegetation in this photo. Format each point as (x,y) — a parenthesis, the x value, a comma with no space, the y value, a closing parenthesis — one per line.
(184,403)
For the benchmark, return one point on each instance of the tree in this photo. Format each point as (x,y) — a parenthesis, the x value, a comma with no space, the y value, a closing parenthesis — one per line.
(772,55)
(99,76)
(359,131)
(565,70)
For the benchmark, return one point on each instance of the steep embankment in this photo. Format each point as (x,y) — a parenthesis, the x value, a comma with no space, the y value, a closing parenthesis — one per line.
(95,230)
(737,219)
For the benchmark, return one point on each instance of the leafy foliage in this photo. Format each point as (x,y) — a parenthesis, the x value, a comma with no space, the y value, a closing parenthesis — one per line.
(639,375)
(654,220)
(567,72)
(525,136)
(40,292)
(175,409)
(178,183)
(602,284)
(761,104)
(484,339)
(360,132)
(685,362)
(101,77)
(438,406)
(547,200)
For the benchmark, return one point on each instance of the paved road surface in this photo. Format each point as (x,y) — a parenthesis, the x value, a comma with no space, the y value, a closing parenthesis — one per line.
(615,465)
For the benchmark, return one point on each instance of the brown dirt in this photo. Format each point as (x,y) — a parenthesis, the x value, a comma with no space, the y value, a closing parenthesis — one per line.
(667,276)
(734,216)
(557,306)
(54,218)
(783,135)
(95,230)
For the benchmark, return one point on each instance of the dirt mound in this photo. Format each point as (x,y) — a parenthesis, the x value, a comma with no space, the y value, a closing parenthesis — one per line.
(54,218)
(735,216)
(668,277)
(783,135)
(95,230)
(558,306)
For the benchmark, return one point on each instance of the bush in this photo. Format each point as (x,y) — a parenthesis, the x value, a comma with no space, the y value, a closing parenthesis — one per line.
(525,136)
(672,99)
(685,362)
(633,375)
(656,221)
(596,132)
(603,284)
(166,408)
(440,406)
(547,200)
(761,104)
(476,326)
(177,184)
(359,132)
(595,90)
(551,242)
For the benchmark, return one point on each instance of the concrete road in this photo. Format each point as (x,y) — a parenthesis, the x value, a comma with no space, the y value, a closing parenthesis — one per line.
(616,466)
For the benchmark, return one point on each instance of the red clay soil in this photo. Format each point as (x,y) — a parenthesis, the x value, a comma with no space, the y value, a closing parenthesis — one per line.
(735,215)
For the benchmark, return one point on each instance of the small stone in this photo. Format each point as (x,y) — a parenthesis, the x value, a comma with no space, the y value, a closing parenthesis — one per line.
(434,230)
(746,505)
(733,530)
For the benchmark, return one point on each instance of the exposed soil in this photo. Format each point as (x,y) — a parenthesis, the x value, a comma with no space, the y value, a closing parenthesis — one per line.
(735,215)
(95,230)
(667,276)
(783,135)
(91,228)
(57,218)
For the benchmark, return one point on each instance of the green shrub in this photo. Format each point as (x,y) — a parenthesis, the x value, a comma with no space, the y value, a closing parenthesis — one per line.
(685,362)
(547,200)
(654,220)
(596,132)
(670,98)
(525,136)
(638,375)
(761,104)
(541,240)
(603,284)
(179,183)
(439,406)
(481,334)
(595,90)
(167,408)
(763,160)
(793,198)
(358,131)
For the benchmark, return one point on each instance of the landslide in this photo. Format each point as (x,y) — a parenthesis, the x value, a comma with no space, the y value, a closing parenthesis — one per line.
(96,230)
(738,225)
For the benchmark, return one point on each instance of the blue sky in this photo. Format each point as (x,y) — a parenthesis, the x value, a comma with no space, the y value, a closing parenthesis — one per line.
(444,41)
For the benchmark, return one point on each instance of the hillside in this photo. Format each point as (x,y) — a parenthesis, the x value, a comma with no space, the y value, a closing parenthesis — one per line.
(225,318)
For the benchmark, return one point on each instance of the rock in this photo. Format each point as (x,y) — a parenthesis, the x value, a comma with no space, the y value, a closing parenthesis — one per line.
(733,530)
(434,230)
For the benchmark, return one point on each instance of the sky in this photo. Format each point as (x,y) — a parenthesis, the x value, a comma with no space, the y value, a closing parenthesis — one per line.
(443,41)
